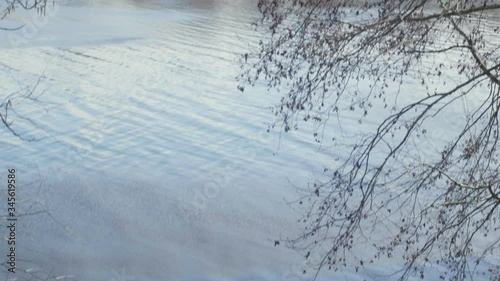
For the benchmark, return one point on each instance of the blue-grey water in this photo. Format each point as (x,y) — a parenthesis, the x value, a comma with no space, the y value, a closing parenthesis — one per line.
(147,159)
(147,163)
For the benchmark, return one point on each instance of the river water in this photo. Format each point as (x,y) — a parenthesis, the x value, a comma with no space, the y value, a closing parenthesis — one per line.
(147,162)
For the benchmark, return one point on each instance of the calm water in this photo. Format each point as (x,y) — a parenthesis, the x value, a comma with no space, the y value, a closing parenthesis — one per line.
(148,159)
(149,163)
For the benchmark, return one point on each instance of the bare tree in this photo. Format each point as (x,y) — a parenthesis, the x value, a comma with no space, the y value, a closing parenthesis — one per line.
(8,7)
(344,57)
(8,114)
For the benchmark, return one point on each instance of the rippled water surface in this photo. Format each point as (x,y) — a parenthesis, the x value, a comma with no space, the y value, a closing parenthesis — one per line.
(148,163)
(147,159)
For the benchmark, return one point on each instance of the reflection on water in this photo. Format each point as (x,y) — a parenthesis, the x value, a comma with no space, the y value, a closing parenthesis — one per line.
(139,112)
(187,4)
(191,5)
